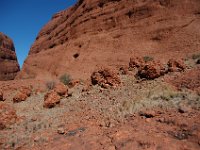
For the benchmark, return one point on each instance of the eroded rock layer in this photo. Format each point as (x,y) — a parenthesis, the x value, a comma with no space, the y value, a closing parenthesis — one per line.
(8,61)
(107,32)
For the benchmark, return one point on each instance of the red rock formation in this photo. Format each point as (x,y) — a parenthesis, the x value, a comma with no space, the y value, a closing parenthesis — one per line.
(8,60)
(61,89)
(105,78)
(136,62)
(51,99)
(108,32)
(22,95)
(151,70)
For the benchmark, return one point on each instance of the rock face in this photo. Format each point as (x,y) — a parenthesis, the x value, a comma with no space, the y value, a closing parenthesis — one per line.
(8,61)
(108,32)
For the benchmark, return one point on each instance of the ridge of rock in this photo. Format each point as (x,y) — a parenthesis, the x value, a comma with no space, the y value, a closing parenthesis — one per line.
(9,66)
(107,32)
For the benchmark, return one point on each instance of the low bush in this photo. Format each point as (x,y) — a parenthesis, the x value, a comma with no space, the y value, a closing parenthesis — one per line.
(65,79)
(147,58)
(50,85)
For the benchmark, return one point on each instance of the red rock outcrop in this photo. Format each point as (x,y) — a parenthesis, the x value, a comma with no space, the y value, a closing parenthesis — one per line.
(105,78)
(61,89)
(8,61)
(136,62)
(51,99)
(107,32)
(22,95)
(151,70)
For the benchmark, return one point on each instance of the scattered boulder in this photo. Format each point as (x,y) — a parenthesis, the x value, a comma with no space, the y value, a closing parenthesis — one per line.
(73,83)
(51,99)
(151,70)
(136,62)
(176,65)
(19,97)
(7,116)
(26,90)
(22,95)
(61,89)
(105,78)
(147,113)
(1,96)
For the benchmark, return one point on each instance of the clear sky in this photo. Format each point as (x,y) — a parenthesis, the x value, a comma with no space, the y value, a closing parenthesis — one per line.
(22,20)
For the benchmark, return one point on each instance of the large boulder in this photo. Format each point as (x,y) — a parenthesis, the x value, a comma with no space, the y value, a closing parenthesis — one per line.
(61,89)
(136,62)
(9,66)
(105,77)
(7,116)
(151,70)
(22,94)
(51,99)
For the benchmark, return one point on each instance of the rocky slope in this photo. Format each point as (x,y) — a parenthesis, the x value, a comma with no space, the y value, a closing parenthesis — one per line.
(106,32)
(8,61)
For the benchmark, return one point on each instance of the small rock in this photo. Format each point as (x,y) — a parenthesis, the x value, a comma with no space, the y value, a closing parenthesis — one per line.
(34,119)
(148,120)
(184,109)
(1,96)
(19,97)
(70,93)
(87,117)
(147,114)
(37,139)
(61,130)
(198,61)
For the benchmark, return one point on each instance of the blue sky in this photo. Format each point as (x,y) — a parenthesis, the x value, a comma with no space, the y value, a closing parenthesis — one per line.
(22,20)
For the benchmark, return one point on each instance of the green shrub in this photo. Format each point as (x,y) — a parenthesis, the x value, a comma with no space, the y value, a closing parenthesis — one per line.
(147,58)
(196,56)
(50,85)
(65,79)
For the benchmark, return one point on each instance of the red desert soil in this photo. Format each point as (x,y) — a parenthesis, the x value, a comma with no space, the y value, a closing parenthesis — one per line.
(146,95)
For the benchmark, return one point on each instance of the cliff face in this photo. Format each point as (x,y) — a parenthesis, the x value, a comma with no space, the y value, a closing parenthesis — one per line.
(108,32)
(8,61)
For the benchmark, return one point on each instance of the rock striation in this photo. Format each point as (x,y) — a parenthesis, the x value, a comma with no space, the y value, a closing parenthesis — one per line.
(94,33)
(9,66)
